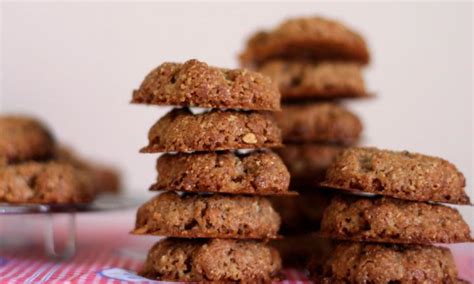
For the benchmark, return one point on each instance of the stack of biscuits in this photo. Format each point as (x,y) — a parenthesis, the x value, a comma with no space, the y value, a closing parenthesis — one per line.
(213,212)
(34,169)
(316,62)
(388,236)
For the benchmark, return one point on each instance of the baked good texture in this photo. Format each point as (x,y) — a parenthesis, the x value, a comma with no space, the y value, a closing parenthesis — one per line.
(307,163)
(402,175)
(297,250)
(215,260)
(324,122)
(208,216)
(258,172)
(47,183)
(194,83)
(384,263)
(383,219)
(312,38)
(182,131)
(299,80)
(23,138)
(303,213)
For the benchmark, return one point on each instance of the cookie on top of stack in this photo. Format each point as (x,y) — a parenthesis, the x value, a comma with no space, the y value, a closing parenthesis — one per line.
(33,168)
(316,62)
(213,211)
(388,236)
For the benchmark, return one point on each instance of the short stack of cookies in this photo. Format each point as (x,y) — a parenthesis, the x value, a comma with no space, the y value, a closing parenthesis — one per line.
(316,62)
(389,236)
(213,212)
(34,169)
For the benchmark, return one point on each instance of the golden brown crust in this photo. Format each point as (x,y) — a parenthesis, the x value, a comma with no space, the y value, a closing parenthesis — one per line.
(24,138)
(208,216)
(182,131)
(194,83)
(382,263)
(299,80)
(401,175)
(393,221)
(323,122)
(307,163)
(312,38)
(259,173)
(46,183)
(216,261)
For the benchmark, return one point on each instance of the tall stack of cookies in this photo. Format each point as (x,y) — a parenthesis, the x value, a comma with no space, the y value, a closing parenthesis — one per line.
(214,212)
(388,237)
(316,62)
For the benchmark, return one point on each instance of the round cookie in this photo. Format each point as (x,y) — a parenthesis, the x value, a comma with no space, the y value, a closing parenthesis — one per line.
(391,220)
(325,122)
(23,138)
(307,163)
(215,260)
(182,131)
(312,38)
(300,80)
(194,83)
(402,175)
(208,216)
(258,173)
(384,263)
(45,183)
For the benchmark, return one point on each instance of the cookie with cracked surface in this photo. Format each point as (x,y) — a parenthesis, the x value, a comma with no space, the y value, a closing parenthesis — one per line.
(208,216)
(182,131)
(324,122)
(352,262)
(23,138)
(195,83)
(398,174)
(307,163)
(45,183)
(300,80)
(258,172)
(389,220)
(313,38)
(214,260)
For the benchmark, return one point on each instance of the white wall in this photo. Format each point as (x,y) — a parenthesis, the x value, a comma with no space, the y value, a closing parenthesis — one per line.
(75,65)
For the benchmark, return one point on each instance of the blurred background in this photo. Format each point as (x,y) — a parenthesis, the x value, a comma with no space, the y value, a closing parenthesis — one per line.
(74,65)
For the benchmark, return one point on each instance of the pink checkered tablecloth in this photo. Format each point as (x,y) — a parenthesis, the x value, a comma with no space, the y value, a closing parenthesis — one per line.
(106,253)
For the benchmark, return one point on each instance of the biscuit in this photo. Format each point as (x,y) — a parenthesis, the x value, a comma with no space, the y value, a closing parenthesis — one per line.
(325,122)
(22,139)
(393,221)
(402,175)
(45,183)
(182,131)
(307,163)
(385,263)
(194,83)
(303,213)
(258,172)
(324,80)
(313,38)
(215,260)
(208,216)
